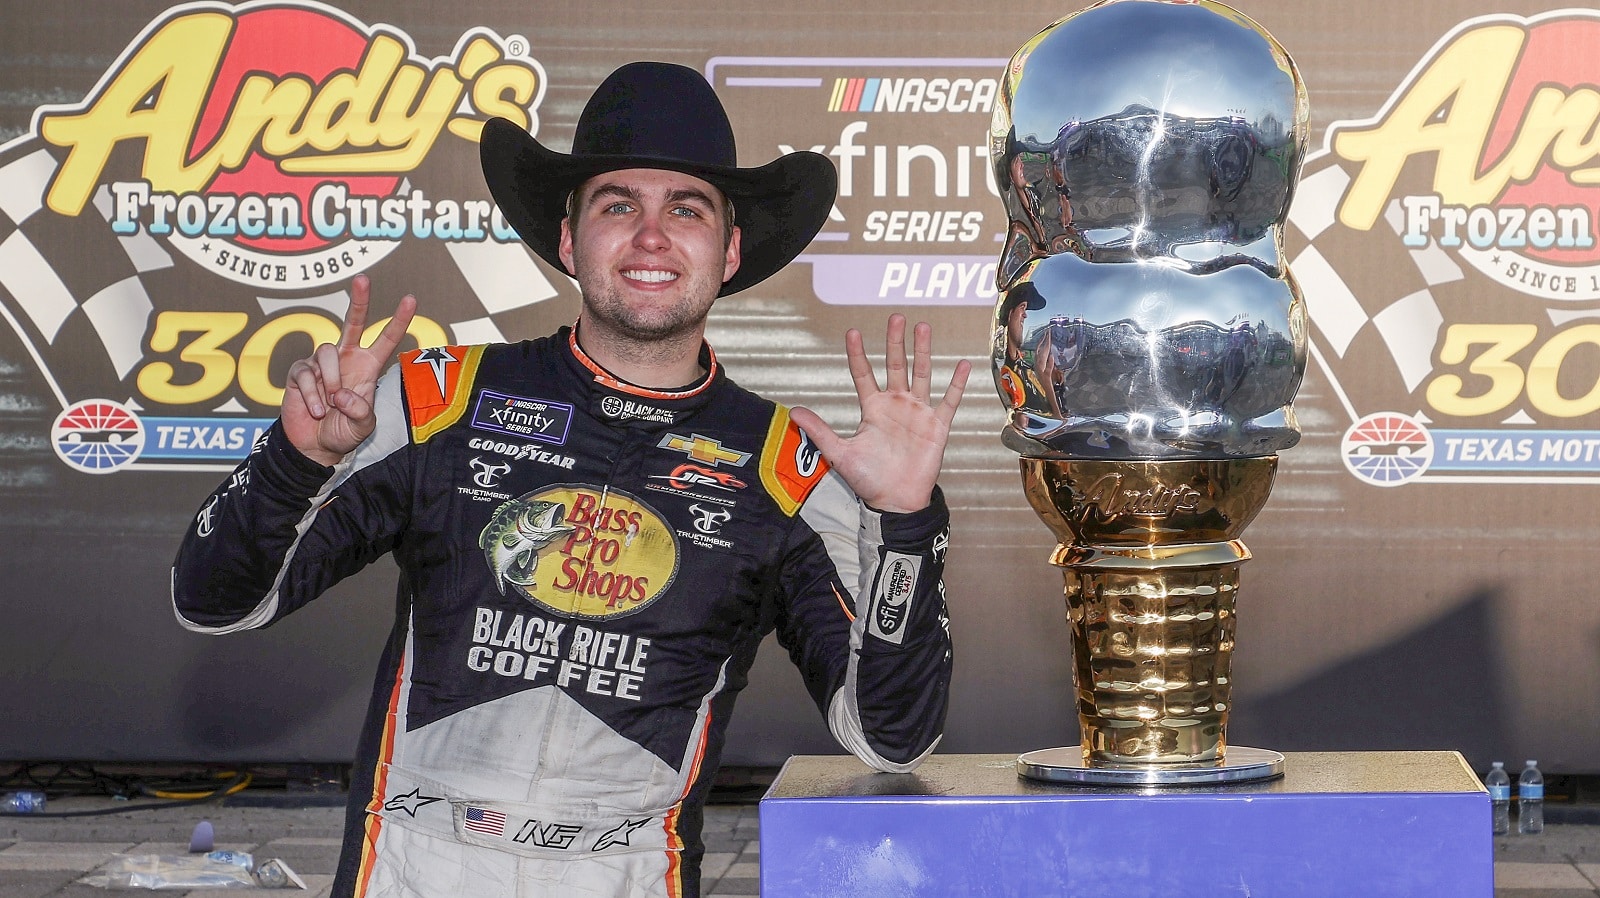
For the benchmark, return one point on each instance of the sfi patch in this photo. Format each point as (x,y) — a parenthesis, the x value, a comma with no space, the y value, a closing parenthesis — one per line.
(791,465)
(892,595)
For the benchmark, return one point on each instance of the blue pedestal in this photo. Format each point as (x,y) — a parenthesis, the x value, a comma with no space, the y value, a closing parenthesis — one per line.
(1338,824)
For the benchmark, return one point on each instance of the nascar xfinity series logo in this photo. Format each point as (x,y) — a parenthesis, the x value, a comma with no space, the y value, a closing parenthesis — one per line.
(1452,272)
(918,214)
(171,242)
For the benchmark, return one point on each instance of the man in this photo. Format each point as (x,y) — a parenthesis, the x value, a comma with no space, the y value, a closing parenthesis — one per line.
(595,530)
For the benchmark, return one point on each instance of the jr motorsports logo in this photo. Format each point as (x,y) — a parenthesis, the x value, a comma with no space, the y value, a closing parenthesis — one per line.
(918,219)
(1452,272)
(171,242)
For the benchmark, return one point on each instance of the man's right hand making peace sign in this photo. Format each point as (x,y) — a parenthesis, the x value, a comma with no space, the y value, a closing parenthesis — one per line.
(327,402)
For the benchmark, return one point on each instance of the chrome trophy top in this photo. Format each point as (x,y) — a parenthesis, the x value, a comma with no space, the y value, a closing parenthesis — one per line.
(1146,152)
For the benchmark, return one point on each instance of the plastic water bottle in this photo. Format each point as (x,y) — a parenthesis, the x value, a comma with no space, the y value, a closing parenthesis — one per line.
(27,801)
(1499,784)
(1530,800)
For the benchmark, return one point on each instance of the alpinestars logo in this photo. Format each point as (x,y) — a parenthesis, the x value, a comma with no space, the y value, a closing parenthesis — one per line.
(619,835)
(1453,271)
(806,456)
(411,802)
(173,240)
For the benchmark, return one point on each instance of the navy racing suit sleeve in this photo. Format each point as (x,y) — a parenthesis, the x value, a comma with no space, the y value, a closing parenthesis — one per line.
(864,620)
(283,528)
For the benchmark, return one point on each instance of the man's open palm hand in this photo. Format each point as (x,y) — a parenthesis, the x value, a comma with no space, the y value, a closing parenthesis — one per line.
(892,461)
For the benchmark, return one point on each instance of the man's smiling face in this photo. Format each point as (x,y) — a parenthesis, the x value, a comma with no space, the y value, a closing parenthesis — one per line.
(651,249)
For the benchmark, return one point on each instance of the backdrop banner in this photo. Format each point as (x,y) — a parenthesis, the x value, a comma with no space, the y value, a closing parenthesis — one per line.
(186,191)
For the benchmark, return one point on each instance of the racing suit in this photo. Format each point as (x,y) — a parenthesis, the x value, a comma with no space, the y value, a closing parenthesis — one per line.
(587,570)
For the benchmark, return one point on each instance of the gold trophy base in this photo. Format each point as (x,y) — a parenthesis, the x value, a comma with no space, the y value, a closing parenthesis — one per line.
(1151,554)
(1241,764)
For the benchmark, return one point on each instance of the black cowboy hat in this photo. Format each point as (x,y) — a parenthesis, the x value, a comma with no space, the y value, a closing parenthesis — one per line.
(659,115)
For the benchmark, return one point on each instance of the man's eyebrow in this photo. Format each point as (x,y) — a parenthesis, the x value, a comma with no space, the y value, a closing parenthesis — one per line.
(614,190)
(690,193)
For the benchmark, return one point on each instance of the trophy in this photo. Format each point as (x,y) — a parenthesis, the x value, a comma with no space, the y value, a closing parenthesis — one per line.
(1148,343)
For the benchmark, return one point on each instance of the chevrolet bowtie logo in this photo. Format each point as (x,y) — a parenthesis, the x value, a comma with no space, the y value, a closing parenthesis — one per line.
(703,449)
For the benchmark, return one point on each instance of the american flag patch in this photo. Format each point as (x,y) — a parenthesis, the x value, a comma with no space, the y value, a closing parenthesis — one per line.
(483,820)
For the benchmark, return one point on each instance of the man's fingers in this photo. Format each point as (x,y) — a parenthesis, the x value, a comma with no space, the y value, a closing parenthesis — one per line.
(827,441)
(355,317)
(922,361)
(389,338)
(326,358)
(303,379)
(860,368)
(354,406)
(953,393)
(894,353)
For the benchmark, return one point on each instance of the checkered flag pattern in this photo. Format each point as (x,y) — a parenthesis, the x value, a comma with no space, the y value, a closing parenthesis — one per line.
(1374,303)
(1380,310)
(68,284)
(82,299)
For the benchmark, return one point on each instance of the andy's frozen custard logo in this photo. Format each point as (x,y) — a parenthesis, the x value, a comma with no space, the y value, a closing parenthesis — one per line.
(1453,273)
(283,133)
(169,243)
(1502,116)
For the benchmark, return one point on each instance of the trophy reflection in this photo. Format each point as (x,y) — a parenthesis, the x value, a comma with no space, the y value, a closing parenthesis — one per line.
(1148,343)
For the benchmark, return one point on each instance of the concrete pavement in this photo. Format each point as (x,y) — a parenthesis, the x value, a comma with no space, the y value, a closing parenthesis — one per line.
(44,857)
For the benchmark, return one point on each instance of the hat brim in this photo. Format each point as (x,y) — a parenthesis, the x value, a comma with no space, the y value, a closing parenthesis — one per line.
(778,207)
